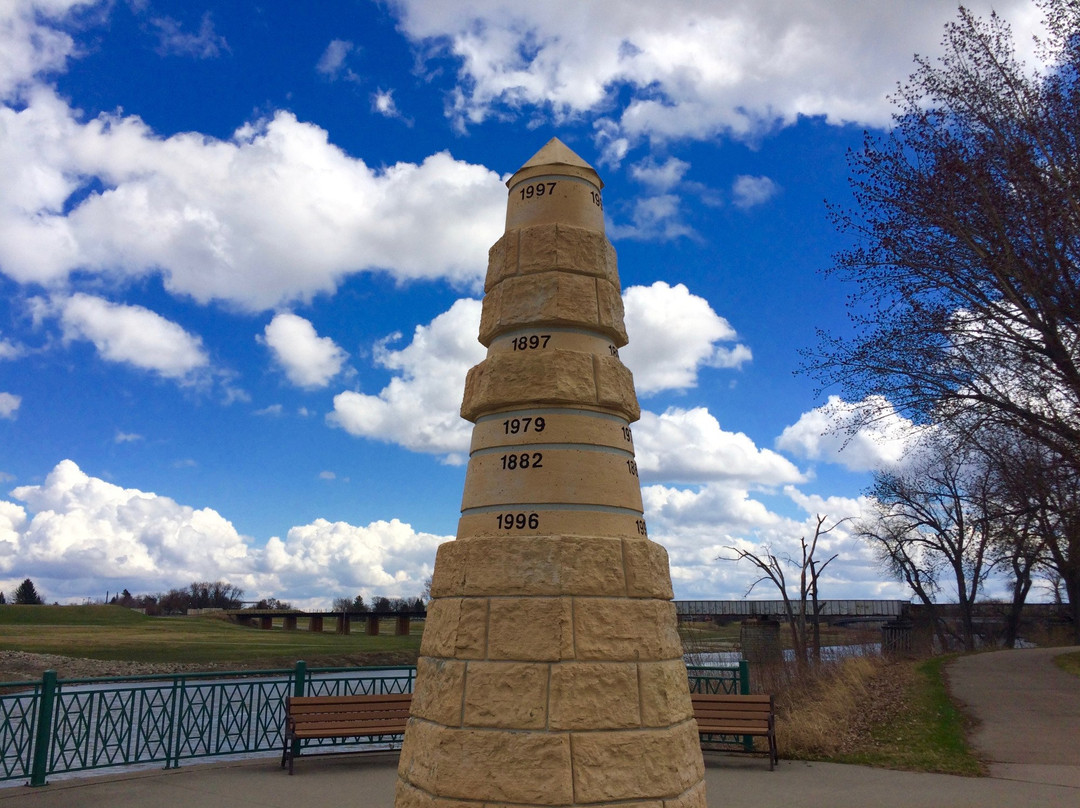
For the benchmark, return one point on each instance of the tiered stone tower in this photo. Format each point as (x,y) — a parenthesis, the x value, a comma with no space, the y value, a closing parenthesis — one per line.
(551,671)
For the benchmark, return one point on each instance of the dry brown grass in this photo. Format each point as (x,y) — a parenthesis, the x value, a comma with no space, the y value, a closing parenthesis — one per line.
(823,710)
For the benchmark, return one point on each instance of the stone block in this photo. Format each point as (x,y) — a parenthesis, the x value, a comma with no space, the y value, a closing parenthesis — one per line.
(693,797)
(611,265)
(502,260)
(636,764)
(505,381)
(594,696)
(615,388)
(579,249)
(648,574)
(537,248)
(440,690)
(530,629)
(665,698)
(543,299)
(543,565)
(448,577)
(408,796)
(456,628)
(507,695)
(486,765)
(610,311)
(625,630)
(474,383)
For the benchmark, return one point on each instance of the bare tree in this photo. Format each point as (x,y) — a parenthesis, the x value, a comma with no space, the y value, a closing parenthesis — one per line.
(965,267)
(803,607)
(967,227)
(933,526)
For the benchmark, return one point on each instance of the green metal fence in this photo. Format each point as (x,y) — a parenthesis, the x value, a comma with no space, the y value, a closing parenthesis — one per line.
(55,726)
(730,679)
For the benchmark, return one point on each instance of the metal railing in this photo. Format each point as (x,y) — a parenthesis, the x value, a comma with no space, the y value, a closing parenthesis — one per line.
(55,726)
(730,679)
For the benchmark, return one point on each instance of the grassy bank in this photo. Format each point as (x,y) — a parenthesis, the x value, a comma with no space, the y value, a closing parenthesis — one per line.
(116,633)
(1070,663)
(894,715)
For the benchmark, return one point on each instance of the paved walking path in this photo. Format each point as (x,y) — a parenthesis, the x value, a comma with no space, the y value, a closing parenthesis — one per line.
(1032,751)
(1028,713)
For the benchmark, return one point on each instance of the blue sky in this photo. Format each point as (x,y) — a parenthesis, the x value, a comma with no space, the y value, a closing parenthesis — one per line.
(242,247)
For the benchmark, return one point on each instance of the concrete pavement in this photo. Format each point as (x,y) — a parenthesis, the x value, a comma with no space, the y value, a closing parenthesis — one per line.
(1028,714)
(1027,732)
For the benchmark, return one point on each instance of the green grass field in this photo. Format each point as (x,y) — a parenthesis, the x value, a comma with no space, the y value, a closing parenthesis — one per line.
(116,633)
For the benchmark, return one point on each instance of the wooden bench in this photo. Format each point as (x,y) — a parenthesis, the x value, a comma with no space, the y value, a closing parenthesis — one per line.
(374,716)
(342,717)
(736,715)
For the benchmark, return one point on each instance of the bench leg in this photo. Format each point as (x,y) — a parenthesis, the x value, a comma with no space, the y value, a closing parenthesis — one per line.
(288,751)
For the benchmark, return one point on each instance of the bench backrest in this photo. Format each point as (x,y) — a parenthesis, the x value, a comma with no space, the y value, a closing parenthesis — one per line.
(732,710)
(309,709)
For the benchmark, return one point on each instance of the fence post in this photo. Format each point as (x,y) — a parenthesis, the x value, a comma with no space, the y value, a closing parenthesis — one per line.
(43,737)
(299,688)
(300,678)
(744,690)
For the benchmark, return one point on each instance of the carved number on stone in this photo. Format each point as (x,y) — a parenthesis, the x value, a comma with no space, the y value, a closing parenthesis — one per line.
(534,341)
(509,521)
(539,189)
(522,461)
(631,466)
(641,528)
(512,426)
(627,434)
(596,200)
(613,350)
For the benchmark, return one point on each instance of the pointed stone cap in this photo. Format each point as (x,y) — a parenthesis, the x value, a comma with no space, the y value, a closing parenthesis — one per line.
(556,158)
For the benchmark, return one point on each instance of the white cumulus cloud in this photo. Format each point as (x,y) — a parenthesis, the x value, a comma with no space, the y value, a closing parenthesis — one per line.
(29,46)
(273,215)
(673,334)
(419,408)
(682,445)
(308,360)
(133,335)
(682,68)
(76,535)
(829,433)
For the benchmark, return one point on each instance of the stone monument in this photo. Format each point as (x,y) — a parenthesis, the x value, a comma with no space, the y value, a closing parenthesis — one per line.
(550,670)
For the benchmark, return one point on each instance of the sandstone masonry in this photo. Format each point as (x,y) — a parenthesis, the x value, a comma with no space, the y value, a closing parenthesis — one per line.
(550,670)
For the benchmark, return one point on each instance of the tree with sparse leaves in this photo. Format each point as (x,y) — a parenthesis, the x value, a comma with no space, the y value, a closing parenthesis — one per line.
(965,268)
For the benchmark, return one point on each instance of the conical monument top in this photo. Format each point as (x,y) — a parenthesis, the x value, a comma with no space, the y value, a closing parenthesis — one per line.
(555,153)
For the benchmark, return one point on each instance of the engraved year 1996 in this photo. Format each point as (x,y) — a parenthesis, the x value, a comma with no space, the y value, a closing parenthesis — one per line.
(509,521)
